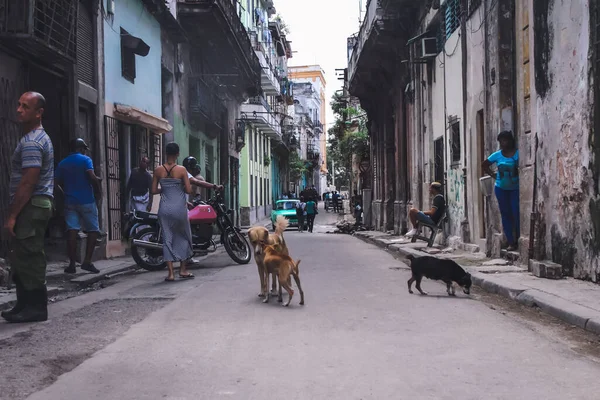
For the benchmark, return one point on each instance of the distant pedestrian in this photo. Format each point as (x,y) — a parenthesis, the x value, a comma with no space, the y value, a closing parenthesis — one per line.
(138,187)
(311,213)
(507,185)
(31,204)
(301,213)
(335,198)
(76,177)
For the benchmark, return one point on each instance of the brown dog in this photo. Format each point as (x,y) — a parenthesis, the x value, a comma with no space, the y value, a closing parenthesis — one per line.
(284,267)
(259,235)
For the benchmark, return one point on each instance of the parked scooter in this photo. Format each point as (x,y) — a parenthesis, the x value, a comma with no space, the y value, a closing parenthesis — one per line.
(147,247)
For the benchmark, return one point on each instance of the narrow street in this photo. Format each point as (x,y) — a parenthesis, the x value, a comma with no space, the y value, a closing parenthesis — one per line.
(359,336)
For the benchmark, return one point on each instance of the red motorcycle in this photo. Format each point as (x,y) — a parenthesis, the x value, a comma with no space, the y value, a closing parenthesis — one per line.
(207,219)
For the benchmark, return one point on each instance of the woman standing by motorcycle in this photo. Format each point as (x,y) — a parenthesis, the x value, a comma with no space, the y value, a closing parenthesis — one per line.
(173,216)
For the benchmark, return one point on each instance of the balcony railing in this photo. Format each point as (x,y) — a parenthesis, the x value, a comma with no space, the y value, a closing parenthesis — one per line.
(260,101)
(229,12)
(49,25)
(364,33)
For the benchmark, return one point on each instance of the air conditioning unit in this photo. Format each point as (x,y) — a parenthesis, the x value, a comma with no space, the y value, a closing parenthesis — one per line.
(428,48)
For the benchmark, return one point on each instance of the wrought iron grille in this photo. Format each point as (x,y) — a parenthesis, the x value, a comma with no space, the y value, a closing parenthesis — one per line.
(156,151)
(11,86)
(50,22)
(453,14)
(438,151)
(113,176)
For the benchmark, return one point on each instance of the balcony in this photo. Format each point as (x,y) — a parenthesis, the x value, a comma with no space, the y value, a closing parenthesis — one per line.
(206,107)
(258,112)
(215,27)
(380,44)
(312,152)
(268,77)
(47,29)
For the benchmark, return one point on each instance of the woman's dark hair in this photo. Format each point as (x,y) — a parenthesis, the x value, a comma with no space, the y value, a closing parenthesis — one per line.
(508,135)
(172,149)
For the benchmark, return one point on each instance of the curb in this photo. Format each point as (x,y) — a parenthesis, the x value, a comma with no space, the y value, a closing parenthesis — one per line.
(569,312)
(9,300)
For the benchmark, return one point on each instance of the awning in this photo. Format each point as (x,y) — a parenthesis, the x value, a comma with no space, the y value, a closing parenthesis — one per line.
(135,115)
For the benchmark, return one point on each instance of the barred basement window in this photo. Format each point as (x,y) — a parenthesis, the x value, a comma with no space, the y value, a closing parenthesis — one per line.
(127,60)
(453,13)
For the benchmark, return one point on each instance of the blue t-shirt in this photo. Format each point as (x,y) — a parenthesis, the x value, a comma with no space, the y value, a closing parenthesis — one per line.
(507,177)
(72,172)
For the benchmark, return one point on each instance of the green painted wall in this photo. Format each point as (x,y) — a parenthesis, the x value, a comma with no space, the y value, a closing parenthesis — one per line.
(244,174)
(184,136)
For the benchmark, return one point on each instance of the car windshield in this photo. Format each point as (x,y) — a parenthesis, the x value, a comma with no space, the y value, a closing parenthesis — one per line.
(286,205)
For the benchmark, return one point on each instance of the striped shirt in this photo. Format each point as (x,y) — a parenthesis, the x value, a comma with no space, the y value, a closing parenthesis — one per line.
(34,150)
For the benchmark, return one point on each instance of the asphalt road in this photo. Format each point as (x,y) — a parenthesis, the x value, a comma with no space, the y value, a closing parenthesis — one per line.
(359,336)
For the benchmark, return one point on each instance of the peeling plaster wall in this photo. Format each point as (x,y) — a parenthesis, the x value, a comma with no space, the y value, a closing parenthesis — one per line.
(475,103)
(561,115)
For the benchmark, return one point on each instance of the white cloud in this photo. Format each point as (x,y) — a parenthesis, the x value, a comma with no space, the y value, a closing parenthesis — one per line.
(318,31)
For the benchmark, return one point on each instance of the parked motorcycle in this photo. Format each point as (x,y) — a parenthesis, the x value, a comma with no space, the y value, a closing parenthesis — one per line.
(147,247)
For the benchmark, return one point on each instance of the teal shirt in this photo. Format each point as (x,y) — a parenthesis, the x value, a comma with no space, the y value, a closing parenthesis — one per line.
(507,177)
(311,207)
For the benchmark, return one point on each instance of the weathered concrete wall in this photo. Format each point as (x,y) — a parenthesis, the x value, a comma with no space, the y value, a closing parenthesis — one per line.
(561,115)
(454,109)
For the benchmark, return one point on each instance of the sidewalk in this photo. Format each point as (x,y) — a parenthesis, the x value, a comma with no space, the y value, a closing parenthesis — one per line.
(55,275)
(573,301)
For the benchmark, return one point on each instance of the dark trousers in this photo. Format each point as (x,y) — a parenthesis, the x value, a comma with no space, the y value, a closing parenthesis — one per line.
(310,218)
(508,202)
(300,222)
(28,259)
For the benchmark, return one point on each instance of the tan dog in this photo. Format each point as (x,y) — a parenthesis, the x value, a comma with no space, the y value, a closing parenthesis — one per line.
(284,267)
(259,235)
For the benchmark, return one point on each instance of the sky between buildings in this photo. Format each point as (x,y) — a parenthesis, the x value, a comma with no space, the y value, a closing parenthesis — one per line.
(318,32)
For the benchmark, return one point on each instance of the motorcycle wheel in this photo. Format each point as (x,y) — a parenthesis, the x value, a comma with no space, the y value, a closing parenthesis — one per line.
(237,246)
(154,260)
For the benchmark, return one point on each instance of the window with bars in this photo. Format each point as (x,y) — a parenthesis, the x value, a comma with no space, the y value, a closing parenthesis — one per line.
(455,141)
(453,13)
(127,59)
(438,162)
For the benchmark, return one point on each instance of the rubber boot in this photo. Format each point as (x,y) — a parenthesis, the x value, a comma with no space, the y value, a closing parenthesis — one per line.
(36,307)
(20,298)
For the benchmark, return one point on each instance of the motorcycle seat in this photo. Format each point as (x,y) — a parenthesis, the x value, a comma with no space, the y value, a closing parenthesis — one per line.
(146,215)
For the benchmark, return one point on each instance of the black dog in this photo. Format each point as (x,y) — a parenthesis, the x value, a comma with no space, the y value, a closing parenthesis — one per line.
(438,269)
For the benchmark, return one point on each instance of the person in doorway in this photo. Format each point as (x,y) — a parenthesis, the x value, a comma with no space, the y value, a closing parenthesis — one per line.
(76,178)
(507,185)
(300,213)
(311,213)
(172,213)
(31,204)
(435,213)
(138,187)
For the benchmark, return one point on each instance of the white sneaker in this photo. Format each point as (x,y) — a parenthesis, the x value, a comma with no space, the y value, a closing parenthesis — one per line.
(411,233)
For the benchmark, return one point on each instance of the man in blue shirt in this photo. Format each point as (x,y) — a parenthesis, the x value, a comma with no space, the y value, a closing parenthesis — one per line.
(75,176)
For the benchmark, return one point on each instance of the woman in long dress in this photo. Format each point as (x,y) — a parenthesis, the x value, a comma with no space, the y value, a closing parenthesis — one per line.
(172,214)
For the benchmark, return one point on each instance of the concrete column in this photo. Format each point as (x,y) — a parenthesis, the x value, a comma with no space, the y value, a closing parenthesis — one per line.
(390,172)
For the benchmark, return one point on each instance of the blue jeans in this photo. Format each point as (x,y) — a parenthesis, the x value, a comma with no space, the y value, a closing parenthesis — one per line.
(508,202)
(422,217)
(82,217)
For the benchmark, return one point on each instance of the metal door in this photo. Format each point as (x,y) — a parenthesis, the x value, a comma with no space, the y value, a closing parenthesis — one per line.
(113,178)
(12,83)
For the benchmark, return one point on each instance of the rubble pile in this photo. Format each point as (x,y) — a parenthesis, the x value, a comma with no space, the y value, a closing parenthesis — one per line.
(348,228)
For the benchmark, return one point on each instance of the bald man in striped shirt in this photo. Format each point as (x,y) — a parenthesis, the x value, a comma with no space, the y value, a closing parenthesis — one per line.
(31,206)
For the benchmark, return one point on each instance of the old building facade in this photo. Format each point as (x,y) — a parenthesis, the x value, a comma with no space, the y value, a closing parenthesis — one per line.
(463,71)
